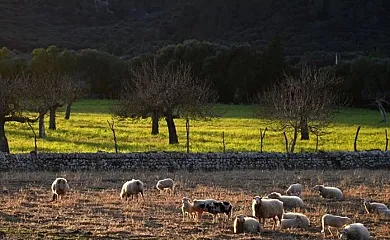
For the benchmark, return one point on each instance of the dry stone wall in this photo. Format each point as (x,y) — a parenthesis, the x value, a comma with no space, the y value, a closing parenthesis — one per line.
(172,161)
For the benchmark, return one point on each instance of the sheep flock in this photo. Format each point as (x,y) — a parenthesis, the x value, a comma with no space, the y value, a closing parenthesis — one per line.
(308,208)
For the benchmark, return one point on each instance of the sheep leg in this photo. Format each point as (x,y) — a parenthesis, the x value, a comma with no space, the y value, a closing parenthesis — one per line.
(275,223)
(280,219)
(142,194)
(54,197)
(331,233)
(184,215)
(199,215)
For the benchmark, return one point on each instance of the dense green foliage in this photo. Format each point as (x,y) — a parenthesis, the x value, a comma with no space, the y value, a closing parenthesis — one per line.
(88,131)
(313,29)
(237,73)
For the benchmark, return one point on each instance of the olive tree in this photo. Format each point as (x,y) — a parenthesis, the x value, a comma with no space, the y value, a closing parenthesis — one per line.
(15,98)
(304,103)
(165,92)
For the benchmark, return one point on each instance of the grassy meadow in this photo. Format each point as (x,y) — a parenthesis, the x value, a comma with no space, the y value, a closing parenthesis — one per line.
(88,131)
(93,209)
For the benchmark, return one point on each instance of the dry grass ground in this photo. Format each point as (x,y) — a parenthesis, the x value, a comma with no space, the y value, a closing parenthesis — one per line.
(93,209)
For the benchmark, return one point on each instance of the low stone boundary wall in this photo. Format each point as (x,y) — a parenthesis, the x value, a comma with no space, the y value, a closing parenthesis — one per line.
(172,161)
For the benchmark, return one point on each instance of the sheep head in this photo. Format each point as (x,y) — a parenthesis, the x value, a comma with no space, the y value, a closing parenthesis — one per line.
(240,224)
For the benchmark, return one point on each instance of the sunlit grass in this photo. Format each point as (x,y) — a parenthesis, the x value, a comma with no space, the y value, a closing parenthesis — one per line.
(88,131)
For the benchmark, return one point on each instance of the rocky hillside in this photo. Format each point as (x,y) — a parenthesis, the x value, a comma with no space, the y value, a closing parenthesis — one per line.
(132,27)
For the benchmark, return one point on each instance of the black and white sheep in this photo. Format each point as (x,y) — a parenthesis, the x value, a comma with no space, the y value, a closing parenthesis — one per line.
(59,188)
(200,206)
(329,192)
(294,190)
(289,202)
(219,207)
(303,217)
(166,184)
(131,188)
(329,221)
(243,224)
(214,207)
(263,208)
(355,231)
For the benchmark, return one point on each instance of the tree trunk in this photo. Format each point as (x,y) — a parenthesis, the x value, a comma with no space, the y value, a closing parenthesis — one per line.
(3,139)
(67,110)
(52,121)
(171,129)
(304,129)
(41,133)
(155,129)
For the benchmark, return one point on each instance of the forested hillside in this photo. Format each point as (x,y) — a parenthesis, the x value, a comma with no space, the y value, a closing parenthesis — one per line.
(133,27)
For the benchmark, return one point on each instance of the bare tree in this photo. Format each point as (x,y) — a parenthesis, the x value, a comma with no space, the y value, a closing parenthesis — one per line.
(303,103)
(52,90)
(15,97)
(165,92)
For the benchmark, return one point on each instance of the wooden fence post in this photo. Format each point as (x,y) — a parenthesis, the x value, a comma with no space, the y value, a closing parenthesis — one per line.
(356,138)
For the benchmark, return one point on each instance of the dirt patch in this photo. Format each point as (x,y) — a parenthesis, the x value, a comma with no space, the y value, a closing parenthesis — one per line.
(93,209)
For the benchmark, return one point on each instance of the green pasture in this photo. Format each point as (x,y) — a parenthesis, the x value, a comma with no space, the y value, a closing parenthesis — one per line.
(87,131)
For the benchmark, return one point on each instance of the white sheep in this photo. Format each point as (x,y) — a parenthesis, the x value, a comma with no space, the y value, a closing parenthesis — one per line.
(329,192)
(133,187)
(303,217)
(289,202)
(244,224)
(355,231)
(267,208)
(187,208)
(59,188)
(165,184)
(374,207)
(296,222)
(328,221)
(294,190)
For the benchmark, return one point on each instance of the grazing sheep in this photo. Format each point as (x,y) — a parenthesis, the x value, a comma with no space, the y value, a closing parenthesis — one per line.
(296,222)
(355,231)
(267,208)
(303,217)
(244,224)
(374,207)
(165,184)
(294,190)
(133,187)
(329,192)
(187,208)
(219,207)
(199,206)
(289,202)
(329,220)
(59,188)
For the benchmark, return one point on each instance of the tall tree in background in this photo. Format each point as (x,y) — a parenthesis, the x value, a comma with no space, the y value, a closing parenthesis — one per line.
(303,103)
(165,92)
